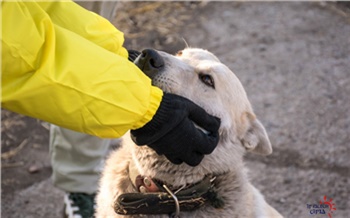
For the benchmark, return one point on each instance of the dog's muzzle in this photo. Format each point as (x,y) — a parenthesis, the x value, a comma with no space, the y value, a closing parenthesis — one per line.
(150,62)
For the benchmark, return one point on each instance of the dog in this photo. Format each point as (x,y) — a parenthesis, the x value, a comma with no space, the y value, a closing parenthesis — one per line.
(219,186)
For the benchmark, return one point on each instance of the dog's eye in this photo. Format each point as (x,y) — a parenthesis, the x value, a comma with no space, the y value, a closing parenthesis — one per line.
(207,80)
(179,53)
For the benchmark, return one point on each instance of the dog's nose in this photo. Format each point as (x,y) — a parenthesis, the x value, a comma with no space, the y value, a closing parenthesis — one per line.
(150,62)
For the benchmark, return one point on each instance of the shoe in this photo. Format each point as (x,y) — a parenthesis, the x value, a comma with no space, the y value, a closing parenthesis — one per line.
(79,205)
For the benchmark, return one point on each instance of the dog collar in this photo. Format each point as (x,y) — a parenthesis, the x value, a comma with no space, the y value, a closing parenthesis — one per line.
(156,198)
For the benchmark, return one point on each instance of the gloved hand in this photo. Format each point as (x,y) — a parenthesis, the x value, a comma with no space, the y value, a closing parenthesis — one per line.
(172,132)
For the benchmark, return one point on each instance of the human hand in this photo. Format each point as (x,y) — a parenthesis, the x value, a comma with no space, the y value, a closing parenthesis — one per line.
(172,131)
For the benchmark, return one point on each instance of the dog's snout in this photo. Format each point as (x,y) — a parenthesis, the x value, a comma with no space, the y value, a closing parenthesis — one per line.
(154,59)
(150,62)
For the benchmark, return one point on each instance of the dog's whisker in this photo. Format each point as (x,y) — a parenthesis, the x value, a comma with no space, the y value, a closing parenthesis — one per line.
(183,39)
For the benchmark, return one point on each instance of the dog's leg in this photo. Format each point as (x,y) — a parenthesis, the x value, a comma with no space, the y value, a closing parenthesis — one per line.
(115,181)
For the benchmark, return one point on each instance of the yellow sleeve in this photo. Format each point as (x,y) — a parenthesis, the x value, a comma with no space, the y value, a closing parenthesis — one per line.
(87,24)
(52,73)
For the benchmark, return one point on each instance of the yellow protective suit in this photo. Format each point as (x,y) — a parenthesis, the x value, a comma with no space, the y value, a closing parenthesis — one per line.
(67,66)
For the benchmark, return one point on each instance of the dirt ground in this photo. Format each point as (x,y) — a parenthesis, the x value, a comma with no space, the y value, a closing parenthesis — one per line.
(292,58)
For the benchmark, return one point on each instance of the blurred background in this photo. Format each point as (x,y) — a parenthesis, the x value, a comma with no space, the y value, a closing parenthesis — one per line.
(293,58)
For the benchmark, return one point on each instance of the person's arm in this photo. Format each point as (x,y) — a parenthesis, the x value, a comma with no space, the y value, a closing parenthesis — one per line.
(54,74)
(59,74)
(86,24)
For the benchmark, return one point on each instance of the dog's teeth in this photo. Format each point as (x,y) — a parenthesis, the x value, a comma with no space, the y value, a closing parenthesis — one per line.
(147,182)
(143,189)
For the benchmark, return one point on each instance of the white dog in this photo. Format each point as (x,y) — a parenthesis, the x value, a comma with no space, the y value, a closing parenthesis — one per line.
(219,186)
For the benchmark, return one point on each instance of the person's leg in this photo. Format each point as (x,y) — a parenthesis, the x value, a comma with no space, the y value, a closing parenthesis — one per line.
(77,161)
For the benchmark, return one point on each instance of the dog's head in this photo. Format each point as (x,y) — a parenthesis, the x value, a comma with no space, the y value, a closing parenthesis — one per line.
(199,76)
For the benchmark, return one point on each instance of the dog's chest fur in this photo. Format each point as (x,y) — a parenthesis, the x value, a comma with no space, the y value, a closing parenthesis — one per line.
(231,187)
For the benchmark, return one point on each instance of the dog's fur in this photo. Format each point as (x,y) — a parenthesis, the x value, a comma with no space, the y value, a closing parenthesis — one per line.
(240,131)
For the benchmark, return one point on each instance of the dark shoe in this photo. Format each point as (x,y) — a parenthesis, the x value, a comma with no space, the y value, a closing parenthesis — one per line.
(79,205)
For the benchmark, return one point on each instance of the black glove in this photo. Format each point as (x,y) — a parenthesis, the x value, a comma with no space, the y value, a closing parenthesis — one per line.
(133,54)
(172,132)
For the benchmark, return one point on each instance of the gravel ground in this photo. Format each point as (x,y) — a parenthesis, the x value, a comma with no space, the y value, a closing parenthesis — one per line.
(293,59)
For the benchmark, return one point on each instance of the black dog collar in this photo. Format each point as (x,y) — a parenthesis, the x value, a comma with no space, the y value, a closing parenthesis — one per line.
(166,201)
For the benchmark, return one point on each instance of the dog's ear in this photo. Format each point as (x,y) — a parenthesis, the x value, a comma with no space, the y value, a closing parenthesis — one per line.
(255,138)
